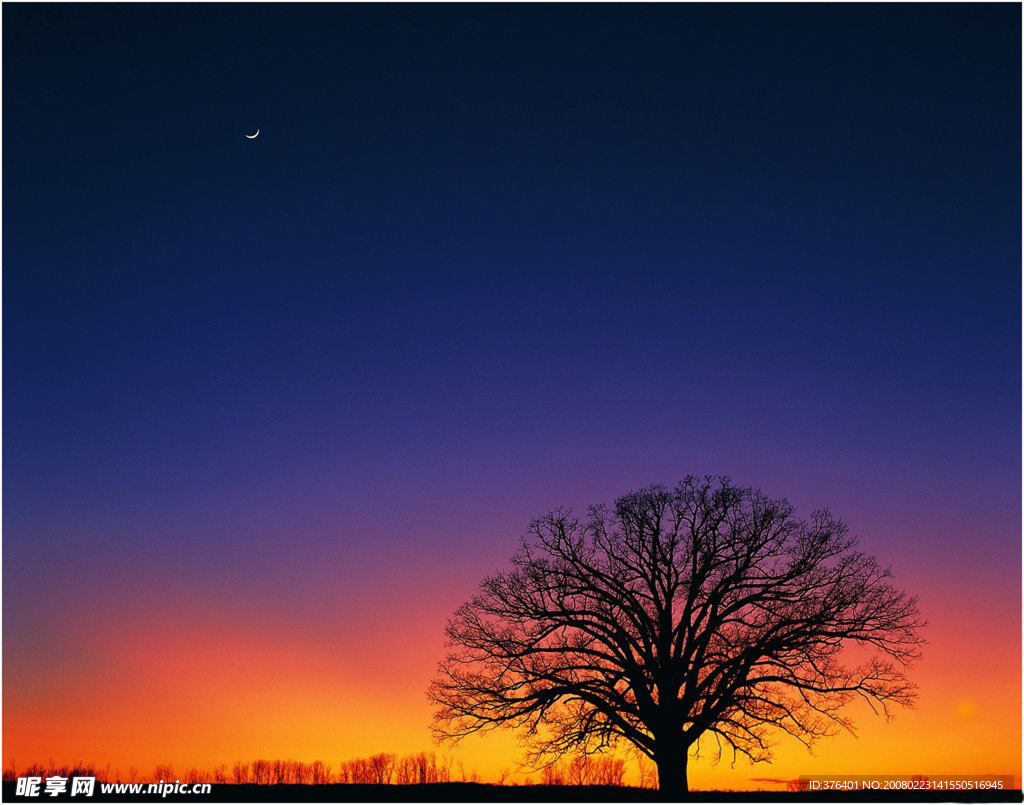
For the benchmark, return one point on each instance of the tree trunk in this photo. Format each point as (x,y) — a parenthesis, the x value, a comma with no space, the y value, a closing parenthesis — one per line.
(672,771)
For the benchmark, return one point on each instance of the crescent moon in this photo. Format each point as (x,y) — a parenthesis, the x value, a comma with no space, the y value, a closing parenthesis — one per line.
(253,136)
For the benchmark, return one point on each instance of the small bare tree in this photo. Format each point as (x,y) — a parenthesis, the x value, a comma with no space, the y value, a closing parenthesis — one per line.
(581,770)
(382,768)
(164,772)
(704,611)
(319,772)
(261,772)
(644,771)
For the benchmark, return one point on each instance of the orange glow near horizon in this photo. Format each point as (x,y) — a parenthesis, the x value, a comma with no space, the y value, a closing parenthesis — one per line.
(207,691)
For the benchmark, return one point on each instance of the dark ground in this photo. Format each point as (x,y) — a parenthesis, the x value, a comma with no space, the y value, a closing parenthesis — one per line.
(477,792)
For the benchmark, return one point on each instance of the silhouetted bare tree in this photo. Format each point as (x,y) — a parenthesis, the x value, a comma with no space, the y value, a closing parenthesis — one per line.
(382,768)
(261,774)
(319,772)
(164,772)
(705,611)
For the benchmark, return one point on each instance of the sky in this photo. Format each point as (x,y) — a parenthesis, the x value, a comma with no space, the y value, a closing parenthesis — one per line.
(273,407)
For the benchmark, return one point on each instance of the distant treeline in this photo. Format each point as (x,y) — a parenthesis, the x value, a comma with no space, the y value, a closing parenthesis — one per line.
(383,768)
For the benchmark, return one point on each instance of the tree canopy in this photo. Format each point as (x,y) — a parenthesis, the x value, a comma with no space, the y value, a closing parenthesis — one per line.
(705,612)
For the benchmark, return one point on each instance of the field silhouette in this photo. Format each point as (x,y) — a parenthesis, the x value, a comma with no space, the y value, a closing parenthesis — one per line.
(429,777)
(489,792)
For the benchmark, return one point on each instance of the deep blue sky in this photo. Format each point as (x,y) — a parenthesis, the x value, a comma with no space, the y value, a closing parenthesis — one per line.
(485,260)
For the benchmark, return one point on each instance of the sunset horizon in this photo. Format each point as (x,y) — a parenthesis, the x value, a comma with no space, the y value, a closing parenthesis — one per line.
(257,680)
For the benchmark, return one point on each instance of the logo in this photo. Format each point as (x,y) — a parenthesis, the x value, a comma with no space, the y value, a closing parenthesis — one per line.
(80,786)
